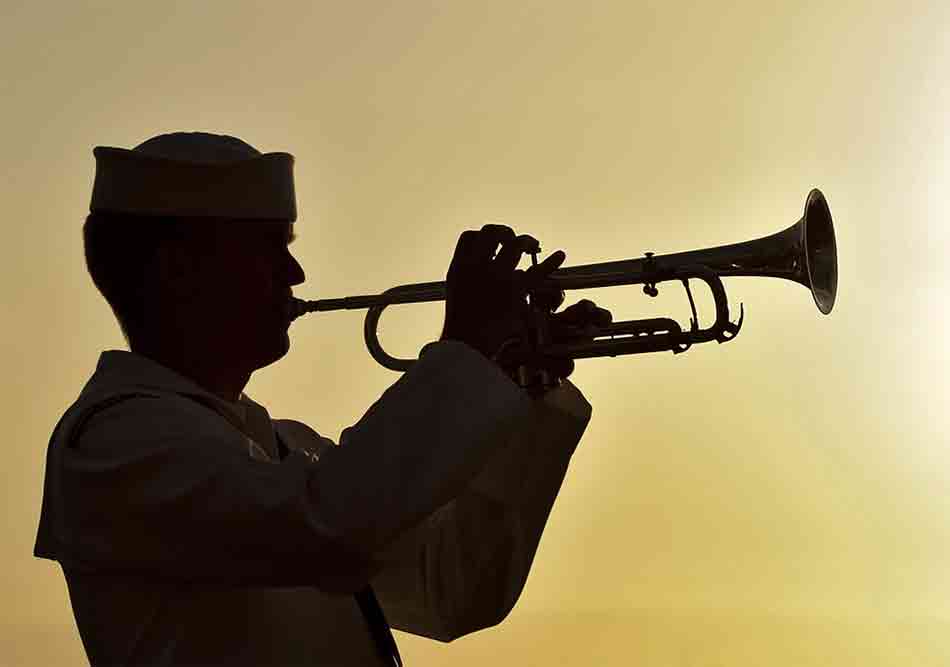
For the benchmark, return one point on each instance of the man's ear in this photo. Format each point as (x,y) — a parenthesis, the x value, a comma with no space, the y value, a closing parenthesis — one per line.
(173,269)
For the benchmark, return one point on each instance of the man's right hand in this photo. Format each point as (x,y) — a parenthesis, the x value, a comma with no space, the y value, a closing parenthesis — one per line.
(486,295)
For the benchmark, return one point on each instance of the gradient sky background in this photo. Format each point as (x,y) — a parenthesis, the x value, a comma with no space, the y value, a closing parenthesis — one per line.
(780,500)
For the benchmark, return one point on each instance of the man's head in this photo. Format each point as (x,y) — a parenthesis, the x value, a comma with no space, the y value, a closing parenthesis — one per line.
(176,274)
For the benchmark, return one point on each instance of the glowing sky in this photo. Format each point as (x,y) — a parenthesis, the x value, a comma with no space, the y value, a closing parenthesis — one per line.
(779,500)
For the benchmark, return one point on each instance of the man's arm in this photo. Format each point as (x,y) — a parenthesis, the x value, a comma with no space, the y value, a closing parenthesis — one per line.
(464,567)
(146,491)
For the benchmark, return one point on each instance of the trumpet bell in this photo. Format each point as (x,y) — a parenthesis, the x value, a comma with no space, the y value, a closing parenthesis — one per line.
(804,253)
(821,255)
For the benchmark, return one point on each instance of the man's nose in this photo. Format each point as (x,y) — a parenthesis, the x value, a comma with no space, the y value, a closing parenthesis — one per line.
(295,274)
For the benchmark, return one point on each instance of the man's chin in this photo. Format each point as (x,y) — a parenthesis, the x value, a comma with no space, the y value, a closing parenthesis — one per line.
(275,351)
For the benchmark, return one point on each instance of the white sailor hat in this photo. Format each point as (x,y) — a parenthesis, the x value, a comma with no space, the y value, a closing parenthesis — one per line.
(194,174)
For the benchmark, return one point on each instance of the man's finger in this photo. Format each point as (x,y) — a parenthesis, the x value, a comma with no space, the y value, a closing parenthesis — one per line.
(464,249)
(554,260)
(561,368)
(575,313)
(510,254)
(488,239)
(585,311)
(538,273)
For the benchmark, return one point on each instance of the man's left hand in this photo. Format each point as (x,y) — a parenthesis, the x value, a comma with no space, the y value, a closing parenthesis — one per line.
(576,324)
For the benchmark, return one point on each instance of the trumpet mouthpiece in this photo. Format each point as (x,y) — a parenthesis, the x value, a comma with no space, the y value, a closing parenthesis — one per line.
(295,308)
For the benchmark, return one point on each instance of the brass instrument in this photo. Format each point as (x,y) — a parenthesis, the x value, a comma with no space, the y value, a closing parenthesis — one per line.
(804,252)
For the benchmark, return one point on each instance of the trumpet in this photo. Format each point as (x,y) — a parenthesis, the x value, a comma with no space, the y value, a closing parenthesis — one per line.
(804,253)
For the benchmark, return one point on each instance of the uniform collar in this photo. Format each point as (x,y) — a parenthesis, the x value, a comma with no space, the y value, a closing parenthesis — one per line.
(121,368)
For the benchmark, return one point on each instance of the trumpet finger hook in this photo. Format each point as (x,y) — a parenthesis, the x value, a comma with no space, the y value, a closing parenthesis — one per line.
(731,330)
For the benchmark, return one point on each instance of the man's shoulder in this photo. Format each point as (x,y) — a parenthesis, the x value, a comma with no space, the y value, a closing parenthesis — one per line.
(102,419)
(131,402)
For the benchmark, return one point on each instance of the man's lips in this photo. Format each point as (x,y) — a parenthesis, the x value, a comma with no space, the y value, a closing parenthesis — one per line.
(285,307)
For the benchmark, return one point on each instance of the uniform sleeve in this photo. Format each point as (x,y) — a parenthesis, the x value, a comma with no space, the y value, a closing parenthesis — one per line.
(464,567)
(149,490)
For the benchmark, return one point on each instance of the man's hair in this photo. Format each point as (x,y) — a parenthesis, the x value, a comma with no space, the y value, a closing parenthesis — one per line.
(119,248)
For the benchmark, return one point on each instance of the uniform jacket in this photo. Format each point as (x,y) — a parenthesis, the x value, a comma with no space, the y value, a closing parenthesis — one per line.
(192,530)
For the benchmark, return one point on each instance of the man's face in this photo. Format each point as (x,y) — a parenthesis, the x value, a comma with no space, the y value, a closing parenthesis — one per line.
(243,277)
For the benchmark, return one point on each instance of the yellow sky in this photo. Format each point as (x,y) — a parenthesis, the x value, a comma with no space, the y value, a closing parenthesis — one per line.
(778,500)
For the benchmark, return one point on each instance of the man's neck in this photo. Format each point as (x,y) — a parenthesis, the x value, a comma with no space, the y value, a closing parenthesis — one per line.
(224,380)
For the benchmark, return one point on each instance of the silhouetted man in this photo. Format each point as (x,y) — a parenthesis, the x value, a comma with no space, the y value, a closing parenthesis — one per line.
(192,529)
